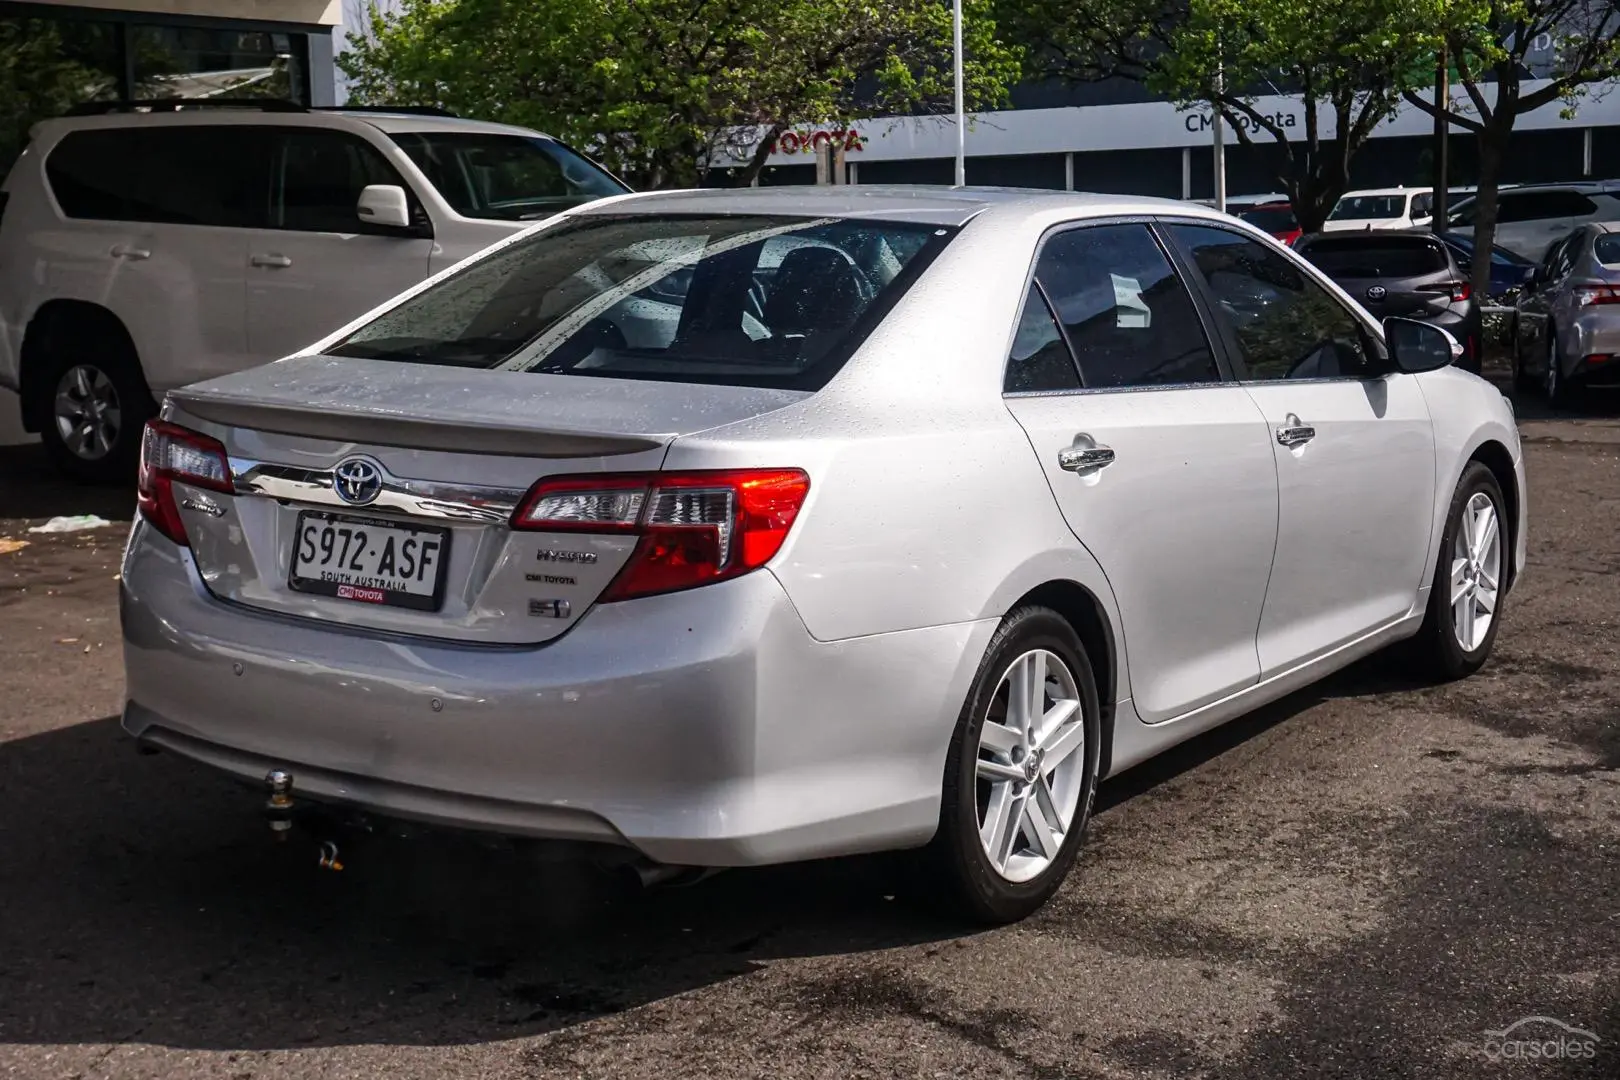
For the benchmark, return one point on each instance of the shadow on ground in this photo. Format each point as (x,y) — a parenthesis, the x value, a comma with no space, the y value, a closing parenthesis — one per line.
(30,488)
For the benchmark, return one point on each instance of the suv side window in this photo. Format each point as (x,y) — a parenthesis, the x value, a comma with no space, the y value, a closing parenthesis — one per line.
(1538,205)
(1285,325)
(319,175)
(182,175)
(1128,318)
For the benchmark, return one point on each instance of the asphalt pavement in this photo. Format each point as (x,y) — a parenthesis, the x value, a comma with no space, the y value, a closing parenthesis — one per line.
(1364,880)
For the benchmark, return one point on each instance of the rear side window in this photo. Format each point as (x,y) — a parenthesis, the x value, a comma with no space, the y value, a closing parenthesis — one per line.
(1128,317)
(190,175)
(1607,249)
(1538,205)
(736,300)
(319,177)
(1271,219)
(1376,257)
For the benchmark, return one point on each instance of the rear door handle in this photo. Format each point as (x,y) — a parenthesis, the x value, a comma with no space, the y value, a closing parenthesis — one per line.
(1295,433)
(1081,458)
(127,251)
(271,262)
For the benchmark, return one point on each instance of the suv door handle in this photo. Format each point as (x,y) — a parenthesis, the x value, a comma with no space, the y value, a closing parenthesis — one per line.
(271,262)
(126,251)
(1293,433)
(1081,458)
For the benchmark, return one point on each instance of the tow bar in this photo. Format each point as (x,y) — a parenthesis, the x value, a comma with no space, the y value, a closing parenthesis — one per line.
(278,811)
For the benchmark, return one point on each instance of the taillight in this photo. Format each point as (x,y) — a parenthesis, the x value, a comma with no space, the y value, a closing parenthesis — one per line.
(1596,294)
(1599,358)
(1460,291)
(170,452)
(694,528)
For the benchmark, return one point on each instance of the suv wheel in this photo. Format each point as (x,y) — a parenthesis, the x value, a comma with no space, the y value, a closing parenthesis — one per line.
(92,407)
(1021,773)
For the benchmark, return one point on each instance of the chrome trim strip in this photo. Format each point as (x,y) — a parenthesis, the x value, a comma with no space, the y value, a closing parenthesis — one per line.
(418,498)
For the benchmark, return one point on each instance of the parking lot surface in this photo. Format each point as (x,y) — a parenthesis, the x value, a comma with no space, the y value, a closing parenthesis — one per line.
(1363,880)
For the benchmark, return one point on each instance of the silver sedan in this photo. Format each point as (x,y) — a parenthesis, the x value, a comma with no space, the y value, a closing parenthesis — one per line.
(1566,322)
(731,528)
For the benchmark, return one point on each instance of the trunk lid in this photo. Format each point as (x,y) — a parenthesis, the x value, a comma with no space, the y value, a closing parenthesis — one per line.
(1411,297)
(376,494)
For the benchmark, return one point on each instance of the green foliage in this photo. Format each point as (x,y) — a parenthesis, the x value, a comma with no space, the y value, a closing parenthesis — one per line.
(655,88)
(1347,59)
(43,74)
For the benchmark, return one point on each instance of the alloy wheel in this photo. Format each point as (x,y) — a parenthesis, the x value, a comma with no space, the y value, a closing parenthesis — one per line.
(1031,765)
(1476,571)
(87,414)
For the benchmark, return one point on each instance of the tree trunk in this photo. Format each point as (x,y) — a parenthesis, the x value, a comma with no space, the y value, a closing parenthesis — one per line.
(762,153)
(1492,141)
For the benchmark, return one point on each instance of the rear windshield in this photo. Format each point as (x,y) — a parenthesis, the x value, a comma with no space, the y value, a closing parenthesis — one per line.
(1607,249)
(738,300)
(1368,207)
(1271,219)
(1367,256)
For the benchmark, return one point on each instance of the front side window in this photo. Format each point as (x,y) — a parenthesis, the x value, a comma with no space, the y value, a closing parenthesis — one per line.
(319,177)
(737,300)
(1285,325)
(180,175)
(505,177)
(1128,317)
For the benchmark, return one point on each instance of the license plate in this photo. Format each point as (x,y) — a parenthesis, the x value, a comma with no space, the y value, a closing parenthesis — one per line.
(370,561)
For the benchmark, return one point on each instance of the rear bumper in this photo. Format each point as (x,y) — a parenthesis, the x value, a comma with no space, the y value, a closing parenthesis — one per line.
(1596,333)
(704,728)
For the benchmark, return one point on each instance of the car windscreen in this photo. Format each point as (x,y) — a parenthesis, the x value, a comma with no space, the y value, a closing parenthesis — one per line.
(1368,207)
(741,300)
(505,177)
(1371,257)
(1607,249)
(1271,218)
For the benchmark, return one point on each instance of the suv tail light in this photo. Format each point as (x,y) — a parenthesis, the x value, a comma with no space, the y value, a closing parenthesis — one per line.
(1460,291)
(170,452)
(695,528)
(1596,294)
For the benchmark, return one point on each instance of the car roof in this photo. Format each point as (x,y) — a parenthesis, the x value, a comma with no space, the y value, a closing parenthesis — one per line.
(1388,191)
(920,203)
(248,116)
(1349,237)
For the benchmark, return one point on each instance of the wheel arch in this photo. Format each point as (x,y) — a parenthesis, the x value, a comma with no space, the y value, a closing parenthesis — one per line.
(56,325)
(1083,611)
(1497,458)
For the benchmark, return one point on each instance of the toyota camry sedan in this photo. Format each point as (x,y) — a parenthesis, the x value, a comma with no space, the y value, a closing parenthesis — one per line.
(713,529)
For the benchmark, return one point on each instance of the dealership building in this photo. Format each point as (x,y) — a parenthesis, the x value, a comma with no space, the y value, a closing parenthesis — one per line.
(1116,138)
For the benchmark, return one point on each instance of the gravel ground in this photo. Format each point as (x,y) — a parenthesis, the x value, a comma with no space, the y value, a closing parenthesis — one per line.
(1359,881)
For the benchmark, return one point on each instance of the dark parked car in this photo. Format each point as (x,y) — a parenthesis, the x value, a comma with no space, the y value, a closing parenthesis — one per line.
(1404,272)
(1509,271)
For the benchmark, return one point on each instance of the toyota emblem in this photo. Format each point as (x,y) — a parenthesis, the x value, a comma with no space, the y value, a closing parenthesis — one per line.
(357,480)
(1377,292)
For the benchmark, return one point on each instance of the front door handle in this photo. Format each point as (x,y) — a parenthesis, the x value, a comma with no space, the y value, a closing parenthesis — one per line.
(127,251)
(1294,433)
(271,262)
(1081,458)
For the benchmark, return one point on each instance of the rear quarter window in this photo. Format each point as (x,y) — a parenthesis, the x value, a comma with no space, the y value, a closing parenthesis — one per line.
(183,175)
(1607,249)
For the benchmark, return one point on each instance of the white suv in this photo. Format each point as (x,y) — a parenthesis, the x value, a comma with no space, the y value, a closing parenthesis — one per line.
(1530,217)
(144,250)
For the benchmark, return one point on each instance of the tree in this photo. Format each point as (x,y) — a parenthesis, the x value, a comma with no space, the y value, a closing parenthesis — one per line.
(1488,43)
(659,89)
(1347,59)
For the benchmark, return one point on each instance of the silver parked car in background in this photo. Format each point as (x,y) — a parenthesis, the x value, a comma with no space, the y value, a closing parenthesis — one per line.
(732,528)
(1566,321)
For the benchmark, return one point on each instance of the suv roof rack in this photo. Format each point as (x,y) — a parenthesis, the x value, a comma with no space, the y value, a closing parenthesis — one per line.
(405,110)
(106,108)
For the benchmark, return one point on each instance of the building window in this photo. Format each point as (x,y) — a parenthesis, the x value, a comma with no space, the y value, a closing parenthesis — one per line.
(200,62)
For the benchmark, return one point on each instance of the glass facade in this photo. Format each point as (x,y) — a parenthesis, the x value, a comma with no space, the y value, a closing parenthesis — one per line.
(53,58)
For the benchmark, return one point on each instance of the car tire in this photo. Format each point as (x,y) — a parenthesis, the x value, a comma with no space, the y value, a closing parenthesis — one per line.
(1439,651)
(1554,385)
(102,379)
(984,806)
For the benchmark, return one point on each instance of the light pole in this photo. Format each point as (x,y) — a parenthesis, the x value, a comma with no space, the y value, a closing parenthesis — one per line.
(961,109)
(1218,126)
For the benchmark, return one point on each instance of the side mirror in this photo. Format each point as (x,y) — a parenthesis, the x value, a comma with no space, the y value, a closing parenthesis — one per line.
(384,204)
(1419,346)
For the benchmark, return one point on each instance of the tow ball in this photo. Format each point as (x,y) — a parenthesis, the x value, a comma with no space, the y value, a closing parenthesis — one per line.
(278,810)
